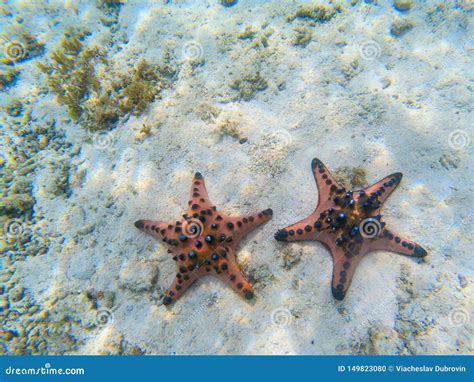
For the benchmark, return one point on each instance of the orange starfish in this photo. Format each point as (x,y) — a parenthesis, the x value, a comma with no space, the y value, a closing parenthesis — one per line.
(349,224)
(204,242)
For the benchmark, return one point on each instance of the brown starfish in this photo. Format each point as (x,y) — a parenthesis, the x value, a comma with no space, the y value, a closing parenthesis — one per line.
(204,242)
(349,224)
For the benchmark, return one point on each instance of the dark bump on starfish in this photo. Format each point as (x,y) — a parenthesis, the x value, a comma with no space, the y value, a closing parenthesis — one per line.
(268,212)
(214,226)
(183,238)
(167,300)
(230,225)
(419,252)
(316,163)
(291,232)
(209,239)
(139,224)
(195,206)
(239,286)
(307,228)
(281,235)
(299,231)
(224,266)
(338,294)
(198,175)
(249,295)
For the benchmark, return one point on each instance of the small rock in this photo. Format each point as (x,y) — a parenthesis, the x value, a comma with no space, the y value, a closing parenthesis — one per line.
(403,5)
(401,26)
(386,82)
(16,294)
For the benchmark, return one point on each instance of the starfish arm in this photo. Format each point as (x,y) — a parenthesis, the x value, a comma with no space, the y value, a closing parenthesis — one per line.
(199,200)
(229,272)
(324,182)
(180,285)
(238,227)
(344,267)
(390,241)
(300,231)
(168,233)
(384,187)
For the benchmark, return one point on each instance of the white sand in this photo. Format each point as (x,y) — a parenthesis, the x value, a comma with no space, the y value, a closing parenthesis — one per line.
(391,113)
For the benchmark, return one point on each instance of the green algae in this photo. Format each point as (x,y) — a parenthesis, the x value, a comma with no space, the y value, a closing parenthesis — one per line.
(93,91)
(247,86)
(128,93)
(303,37)
(70,72)
(317,13)
(7,77)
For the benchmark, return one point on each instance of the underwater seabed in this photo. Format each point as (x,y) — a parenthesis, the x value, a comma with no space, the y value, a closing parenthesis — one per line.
(110,107)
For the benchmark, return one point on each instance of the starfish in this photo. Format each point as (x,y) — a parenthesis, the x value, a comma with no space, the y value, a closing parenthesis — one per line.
(349,225)
(204,242)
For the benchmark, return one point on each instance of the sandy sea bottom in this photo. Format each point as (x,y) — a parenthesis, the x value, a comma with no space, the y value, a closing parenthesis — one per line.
(109,108)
